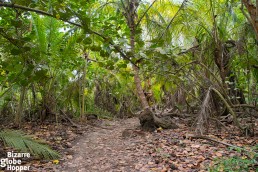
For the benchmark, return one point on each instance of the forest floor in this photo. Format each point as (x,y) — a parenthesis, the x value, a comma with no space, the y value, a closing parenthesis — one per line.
(120,146)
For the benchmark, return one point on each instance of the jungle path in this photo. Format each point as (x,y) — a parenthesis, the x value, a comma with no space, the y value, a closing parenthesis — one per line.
(119,146)
(105,149)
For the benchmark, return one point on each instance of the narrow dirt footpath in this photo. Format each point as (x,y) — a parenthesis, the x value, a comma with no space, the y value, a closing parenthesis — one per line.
(105,149)
(118,146)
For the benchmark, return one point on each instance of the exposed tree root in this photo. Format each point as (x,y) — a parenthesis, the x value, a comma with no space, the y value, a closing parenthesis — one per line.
(150,121)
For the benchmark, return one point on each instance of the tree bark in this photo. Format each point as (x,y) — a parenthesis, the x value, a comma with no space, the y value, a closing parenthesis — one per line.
(82,112)
(137,79)
(18,115)
(253,15)
(131,17)
(148,120)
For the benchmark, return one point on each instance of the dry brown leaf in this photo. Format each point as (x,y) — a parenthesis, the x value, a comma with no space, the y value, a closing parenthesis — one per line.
(195,146)
(164,169)
(69,157)
(218,154)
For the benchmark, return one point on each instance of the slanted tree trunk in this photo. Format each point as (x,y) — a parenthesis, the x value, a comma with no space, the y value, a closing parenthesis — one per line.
(138,82)
(130,11)
(147,118)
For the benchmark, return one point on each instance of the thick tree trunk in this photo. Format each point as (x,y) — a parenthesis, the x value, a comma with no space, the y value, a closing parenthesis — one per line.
(139,89)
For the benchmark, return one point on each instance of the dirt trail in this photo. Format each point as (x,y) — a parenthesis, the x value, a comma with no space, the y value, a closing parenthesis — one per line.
(104,149)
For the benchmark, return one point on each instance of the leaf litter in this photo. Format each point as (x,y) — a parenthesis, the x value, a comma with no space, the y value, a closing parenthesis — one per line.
(120,145)
(123,147)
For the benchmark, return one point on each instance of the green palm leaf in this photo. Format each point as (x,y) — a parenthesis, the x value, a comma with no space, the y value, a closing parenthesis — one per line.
(24,143)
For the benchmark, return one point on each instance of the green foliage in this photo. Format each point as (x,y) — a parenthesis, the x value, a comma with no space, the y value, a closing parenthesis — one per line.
(47,55)
(101,113)
(246,162)
(24,143)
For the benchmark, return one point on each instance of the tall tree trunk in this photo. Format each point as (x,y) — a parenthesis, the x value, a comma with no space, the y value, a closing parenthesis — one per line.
(137,79)
(34,96)
(82,112)
(130,13)
(18,115)
(147,119)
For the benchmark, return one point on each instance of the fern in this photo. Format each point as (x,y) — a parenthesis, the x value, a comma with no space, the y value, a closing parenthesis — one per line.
(24,143)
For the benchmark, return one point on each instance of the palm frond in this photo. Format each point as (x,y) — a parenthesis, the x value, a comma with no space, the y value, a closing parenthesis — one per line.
(24,143)
(40,30)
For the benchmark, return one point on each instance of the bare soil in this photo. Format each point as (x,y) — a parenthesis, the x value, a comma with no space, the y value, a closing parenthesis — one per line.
(113,146)
(119,146)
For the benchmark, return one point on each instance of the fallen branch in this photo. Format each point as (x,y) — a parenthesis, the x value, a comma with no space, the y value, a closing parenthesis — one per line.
(215,119)
(69,119)
(246,106)
(217,141)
